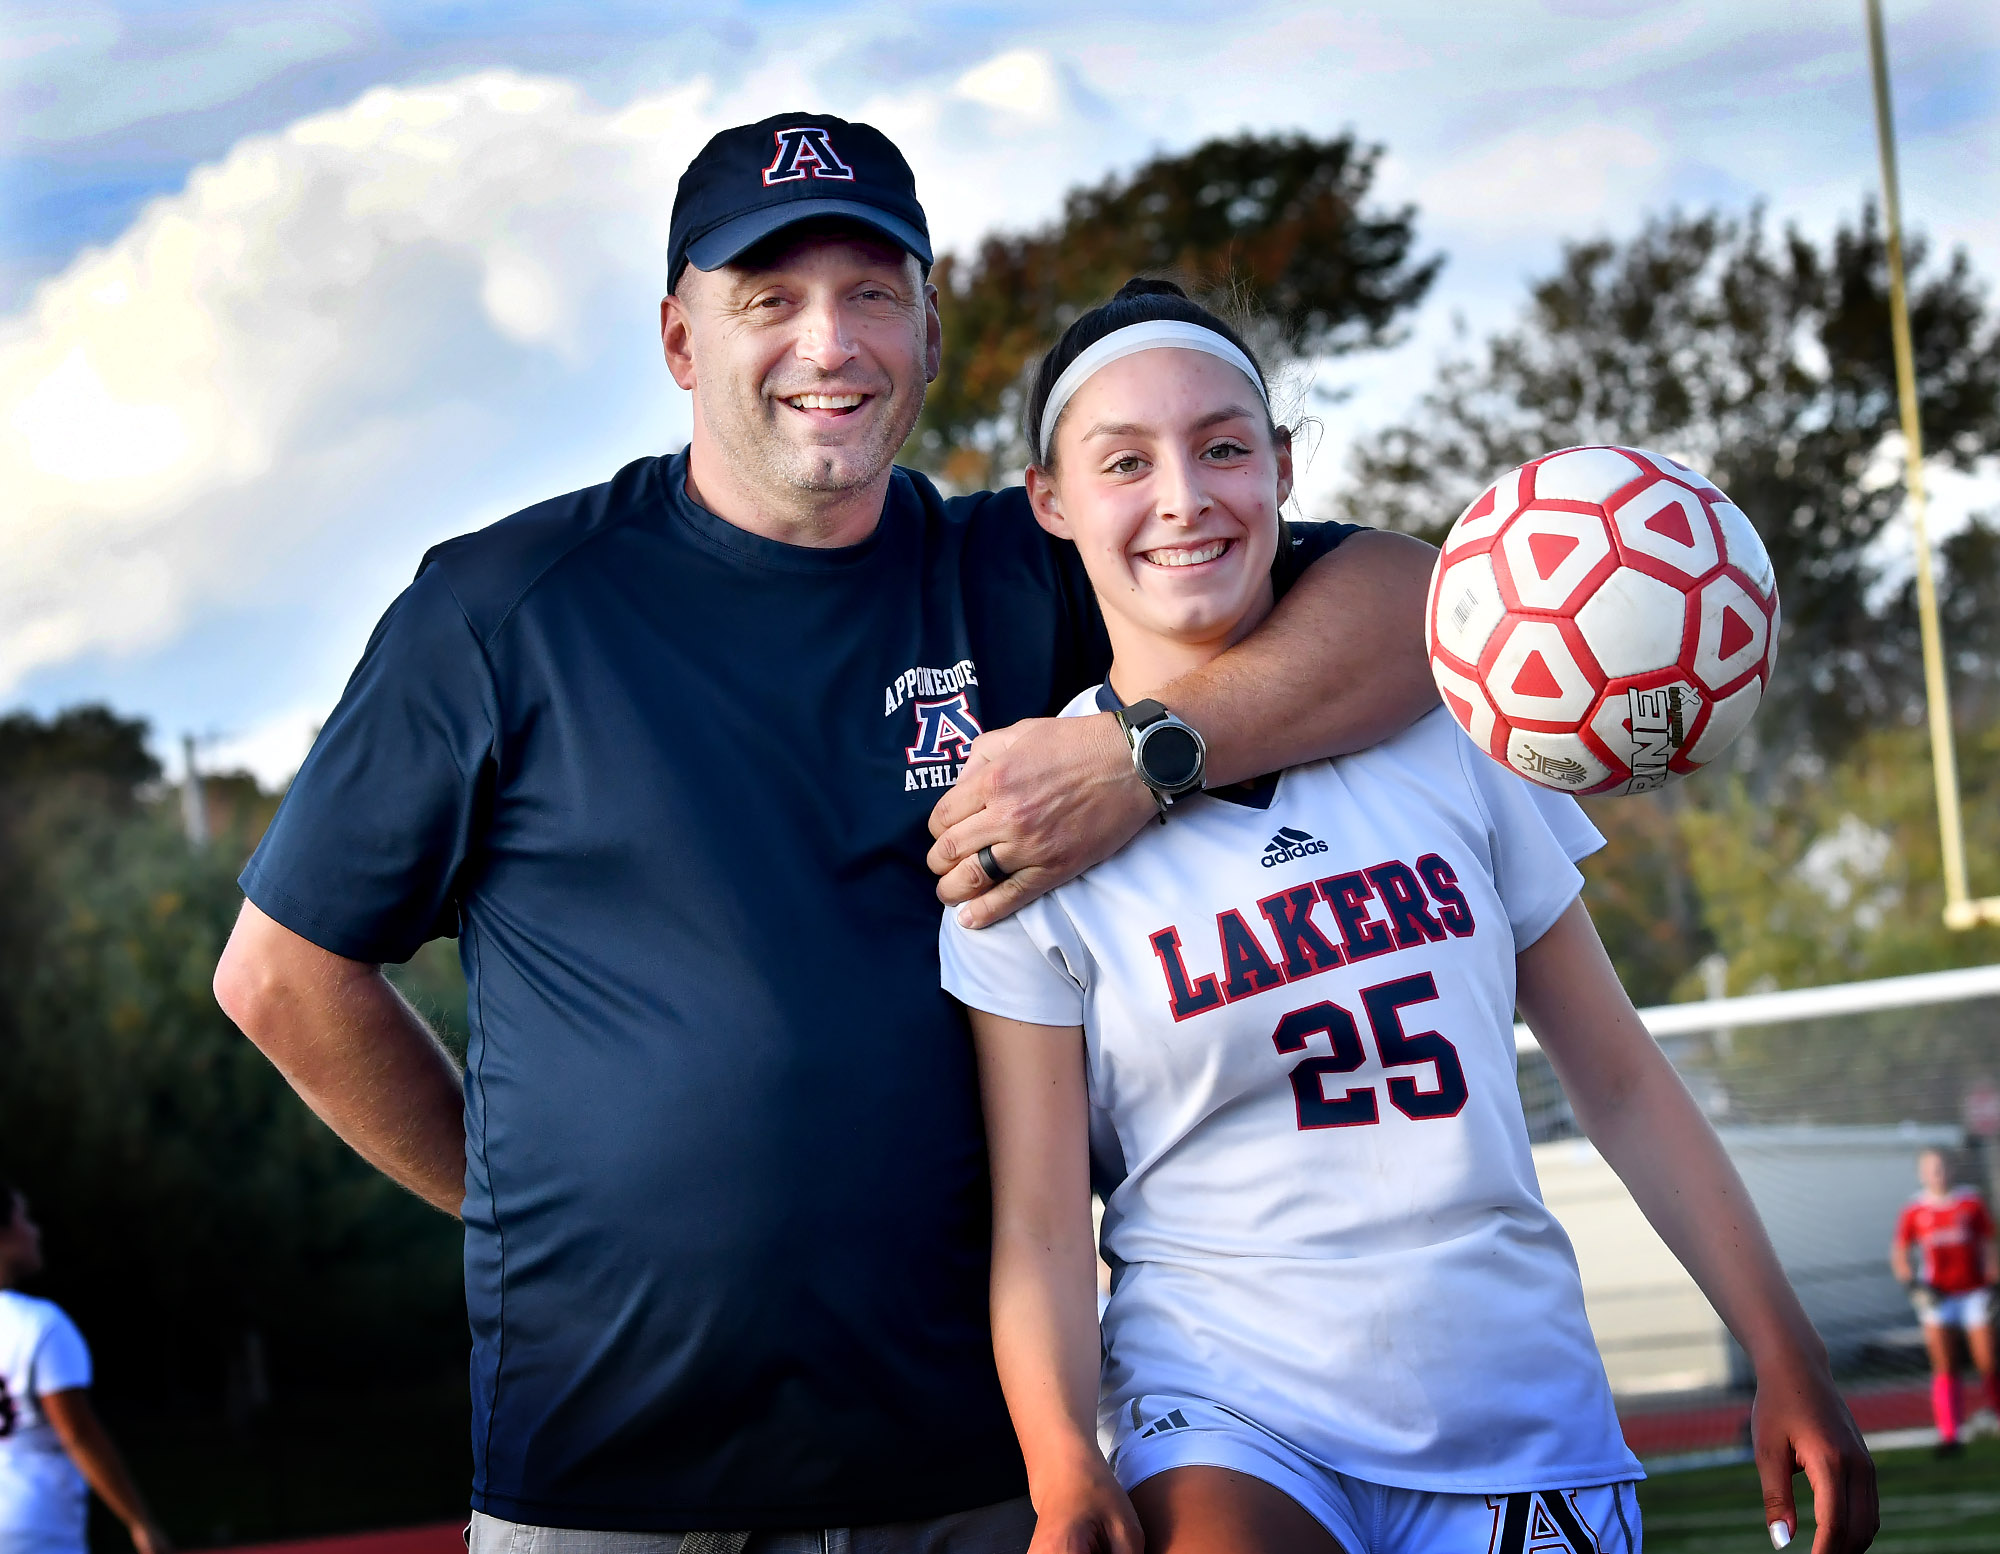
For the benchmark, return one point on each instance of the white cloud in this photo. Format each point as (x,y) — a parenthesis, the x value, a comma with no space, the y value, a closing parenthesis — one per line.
(401,318)
(1022,81)
(345,335)
(1554,182)
(168,398)
(77,431)
(78,68)
(271,751)
(1662,32)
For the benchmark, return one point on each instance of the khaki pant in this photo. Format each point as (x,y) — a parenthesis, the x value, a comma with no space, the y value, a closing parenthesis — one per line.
(1005,1528)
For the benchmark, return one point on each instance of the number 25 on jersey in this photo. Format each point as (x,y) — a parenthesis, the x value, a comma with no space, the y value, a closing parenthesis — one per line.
(1396,1046)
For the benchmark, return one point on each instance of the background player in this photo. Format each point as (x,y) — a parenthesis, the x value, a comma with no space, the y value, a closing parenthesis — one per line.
(1341,1313)
(1951,1285)
(51,1442)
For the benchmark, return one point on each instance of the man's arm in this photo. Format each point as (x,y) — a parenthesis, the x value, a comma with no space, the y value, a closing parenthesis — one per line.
(90,1447)
(1338,666)
(357,1054)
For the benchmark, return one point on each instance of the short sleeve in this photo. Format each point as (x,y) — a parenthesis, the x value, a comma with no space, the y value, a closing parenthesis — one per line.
(1537,837)
(1565,819)
(1024,967)
(62,1358)
(368,846)
(1906,1226)
(1310,541)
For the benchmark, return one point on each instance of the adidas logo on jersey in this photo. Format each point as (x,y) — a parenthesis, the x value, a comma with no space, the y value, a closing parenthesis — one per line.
(1165,1425)
(1290,843)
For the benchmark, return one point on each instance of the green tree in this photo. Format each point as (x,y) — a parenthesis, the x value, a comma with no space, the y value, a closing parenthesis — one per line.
(1968,617)
(188,1196)
(1642,894)
(90,743)
(1765,363)
(1842,880)
(1280,220)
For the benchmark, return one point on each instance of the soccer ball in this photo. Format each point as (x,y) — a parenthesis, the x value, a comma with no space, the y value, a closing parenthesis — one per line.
(1602,620)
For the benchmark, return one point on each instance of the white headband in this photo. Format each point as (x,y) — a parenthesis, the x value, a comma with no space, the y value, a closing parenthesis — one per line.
(1129,341)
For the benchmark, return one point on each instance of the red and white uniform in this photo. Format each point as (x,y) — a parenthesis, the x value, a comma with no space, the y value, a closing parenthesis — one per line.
(1948,1237)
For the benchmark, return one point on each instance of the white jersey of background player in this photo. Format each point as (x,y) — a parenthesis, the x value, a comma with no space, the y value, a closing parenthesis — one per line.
(48,1430)
(1282,1025)
(43,1499)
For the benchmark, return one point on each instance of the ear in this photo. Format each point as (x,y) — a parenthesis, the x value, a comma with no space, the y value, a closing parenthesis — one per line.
(933,335)
(676,340)
(1047,503)
(1282,446)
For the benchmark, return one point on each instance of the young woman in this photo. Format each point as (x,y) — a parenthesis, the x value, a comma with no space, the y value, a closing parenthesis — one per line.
(53,1448)
(1278,1030)
(1950,1283)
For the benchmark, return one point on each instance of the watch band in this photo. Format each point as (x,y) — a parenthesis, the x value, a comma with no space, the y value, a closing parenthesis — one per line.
(1136,721)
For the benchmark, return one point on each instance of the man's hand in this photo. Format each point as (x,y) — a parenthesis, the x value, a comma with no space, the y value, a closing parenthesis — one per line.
(1050,796)
(1338,666)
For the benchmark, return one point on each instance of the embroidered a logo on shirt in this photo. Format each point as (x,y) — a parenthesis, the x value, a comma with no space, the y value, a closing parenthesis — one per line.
(946,722)
(1290,843)
(946,729)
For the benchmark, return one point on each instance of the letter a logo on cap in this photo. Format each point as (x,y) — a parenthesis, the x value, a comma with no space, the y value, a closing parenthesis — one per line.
(805,152)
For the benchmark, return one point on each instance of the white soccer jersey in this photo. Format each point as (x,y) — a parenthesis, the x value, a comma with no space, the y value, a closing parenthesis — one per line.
(43,1499)
(1299,1021)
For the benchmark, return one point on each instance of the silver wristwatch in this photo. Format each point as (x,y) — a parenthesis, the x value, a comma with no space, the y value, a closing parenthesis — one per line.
(1167,754)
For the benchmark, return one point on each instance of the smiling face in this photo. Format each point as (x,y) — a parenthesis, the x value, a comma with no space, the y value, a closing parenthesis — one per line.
(807,362)
(1168,478)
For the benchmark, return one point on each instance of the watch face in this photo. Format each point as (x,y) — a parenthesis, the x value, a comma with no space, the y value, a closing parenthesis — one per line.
(1170,756)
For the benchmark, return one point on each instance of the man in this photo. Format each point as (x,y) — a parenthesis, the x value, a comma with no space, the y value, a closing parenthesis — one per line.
(661,753)
(51,1443)
(1951,1285)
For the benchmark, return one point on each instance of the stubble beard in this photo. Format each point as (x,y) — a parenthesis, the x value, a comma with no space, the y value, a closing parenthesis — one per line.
(800,474)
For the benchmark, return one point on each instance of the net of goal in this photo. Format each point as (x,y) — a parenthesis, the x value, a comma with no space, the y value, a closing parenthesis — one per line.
(1824,1098)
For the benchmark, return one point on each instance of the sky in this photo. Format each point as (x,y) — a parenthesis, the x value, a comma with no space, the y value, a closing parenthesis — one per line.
(291,291)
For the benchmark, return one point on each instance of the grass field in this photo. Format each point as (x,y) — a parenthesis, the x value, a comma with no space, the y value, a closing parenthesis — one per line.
(1928,1507)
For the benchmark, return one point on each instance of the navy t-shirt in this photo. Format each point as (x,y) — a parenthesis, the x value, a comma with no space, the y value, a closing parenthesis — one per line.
(726,1210)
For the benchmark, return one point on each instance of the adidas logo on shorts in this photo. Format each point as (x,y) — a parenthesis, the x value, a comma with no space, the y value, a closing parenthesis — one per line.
(1290,843)
(1165,1424)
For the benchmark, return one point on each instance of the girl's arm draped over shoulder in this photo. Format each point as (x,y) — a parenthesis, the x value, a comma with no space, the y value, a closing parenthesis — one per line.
(1648,1128)
(1044,1293)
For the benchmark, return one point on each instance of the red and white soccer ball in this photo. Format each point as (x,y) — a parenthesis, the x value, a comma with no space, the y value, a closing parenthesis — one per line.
(1602,620)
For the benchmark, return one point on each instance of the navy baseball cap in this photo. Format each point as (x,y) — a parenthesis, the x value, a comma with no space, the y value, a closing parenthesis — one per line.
(757,179)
